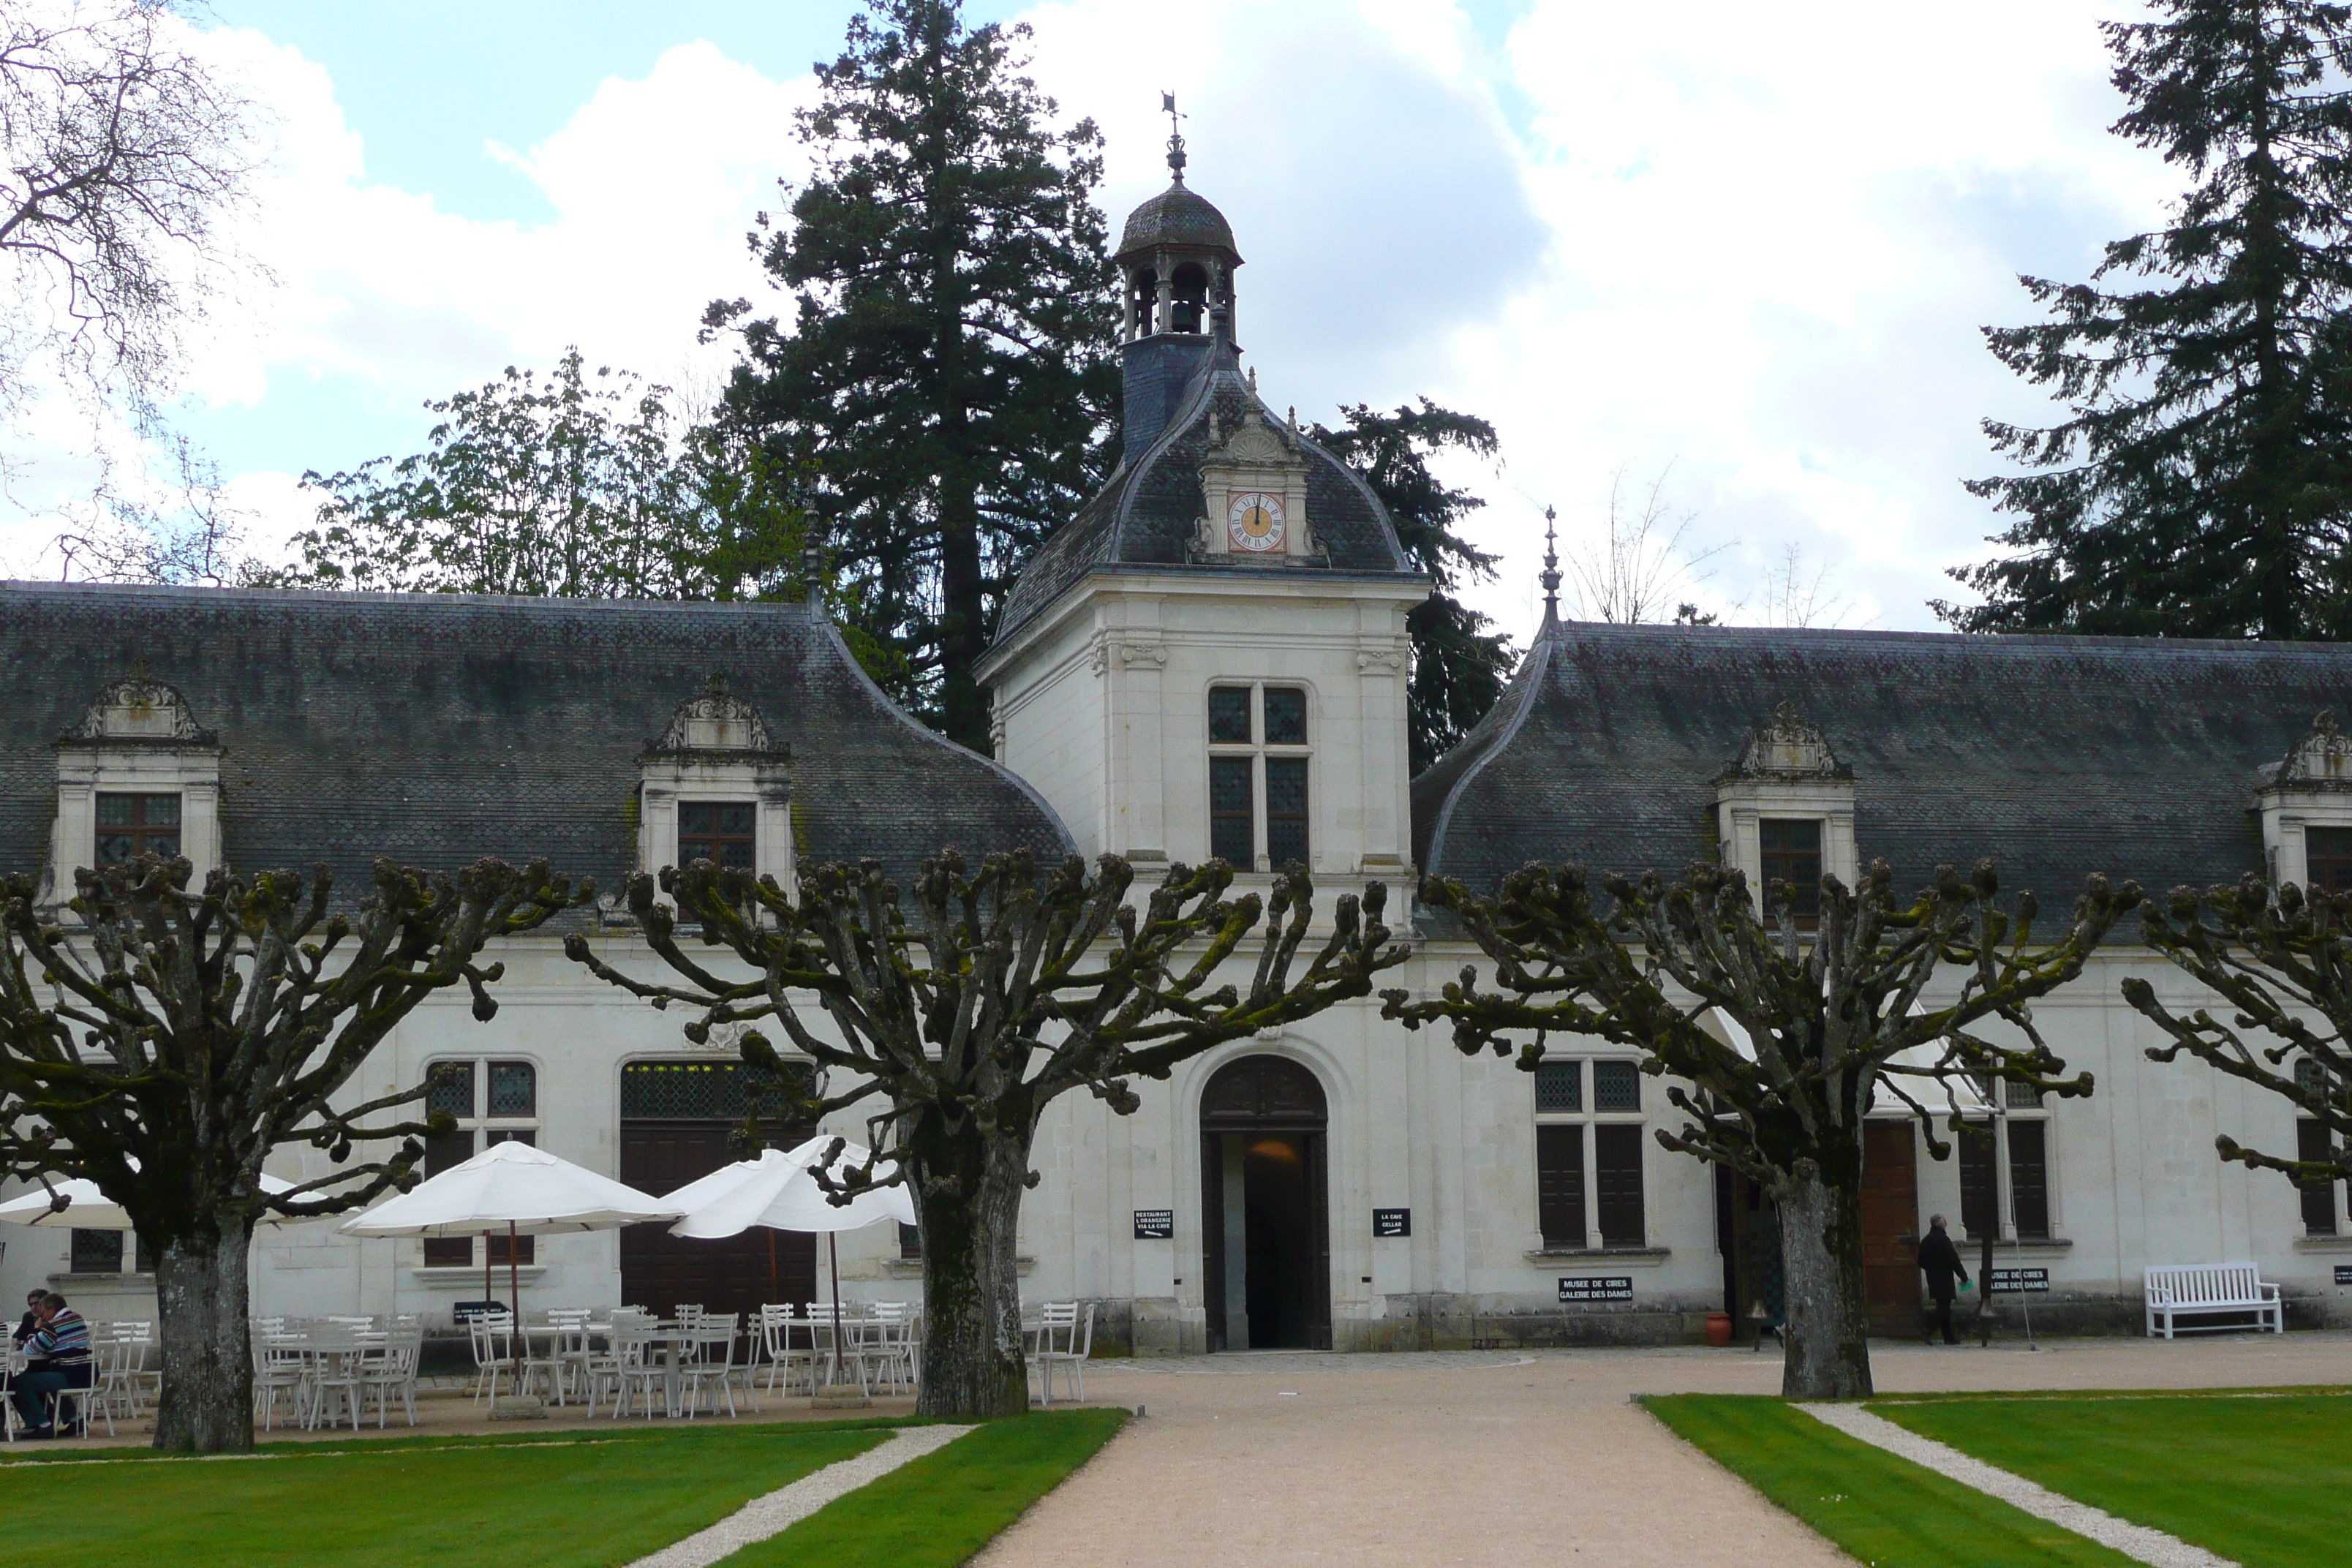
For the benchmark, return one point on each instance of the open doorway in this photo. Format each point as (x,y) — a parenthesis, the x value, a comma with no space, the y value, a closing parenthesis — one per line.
(1266,1208)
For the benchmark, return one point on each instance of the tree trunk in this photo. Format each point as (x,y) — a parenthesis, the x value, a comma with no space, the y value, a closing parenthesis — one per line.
(1820,1252)
(200,1290)
(973,1362)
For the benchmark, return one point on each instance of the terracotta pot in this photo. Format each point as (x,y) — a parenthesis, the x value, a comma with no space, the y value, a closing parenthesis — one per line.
(1718,1328)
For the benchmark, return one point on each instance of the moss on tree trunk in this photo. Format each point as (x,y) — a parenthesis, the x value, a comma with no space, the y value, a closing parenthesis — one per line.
(968,1184)
(206,1343)
(1820,1253)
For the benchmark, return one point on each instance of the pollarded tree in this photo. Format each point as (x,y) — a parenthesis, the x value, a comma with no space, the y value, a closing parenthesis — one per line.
(2283,964)
(1833,1018)
(970,1008)
(160,1043)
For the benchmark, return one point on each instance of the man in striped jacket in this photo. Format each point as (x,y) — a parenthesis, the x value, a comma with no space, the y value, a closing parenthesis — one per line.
(57,1357)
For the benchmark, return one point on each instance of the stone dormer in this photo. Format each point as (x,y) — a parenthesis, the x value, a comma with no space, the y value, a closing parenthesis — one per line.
(2309,788)
(1786,796)
(716,774)
(1254,492)
(138,773)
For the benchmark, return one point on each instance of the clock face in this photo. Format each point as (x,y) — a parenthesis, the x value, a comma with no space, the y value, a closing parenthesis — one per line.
(1253,521)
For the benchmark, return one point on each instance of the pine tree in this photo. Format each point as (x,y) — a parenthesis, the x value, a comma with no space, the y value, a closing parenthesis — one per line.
(948,383)
(2198,485)
(1458,665)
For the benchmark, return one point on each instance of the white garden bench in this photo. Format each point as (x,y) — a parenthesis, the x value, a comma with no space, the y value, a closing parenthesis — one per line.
(2202,1287)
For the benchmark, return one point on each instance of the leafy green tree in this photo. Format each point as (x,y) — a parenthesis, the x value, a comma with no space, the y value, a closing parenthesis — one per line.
(1807,1028)
(948,383)
(1458,665)
(960,1012)
(2197,485)
(166,1040)
(567,484)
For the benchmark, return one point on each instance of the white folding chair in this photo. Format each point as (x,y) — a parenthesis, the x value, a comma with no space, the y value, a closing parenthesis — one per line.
(277,1373)
(1057,1329)
(703,1369)
(634,1366)
(493,1339)
(1067,1348)
(389,1372)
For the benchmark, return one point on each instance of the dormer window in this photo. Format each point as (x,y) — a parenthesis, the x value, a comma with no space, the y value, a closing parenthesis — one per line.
(137,776)
(2305,801)
(1790,851)
(715,786)
(1784,811)
(130,826)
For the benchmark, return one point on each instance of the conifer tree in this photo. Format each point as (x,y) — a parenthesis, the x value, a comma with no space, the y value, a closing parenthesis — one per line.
(1458,665)
(948,384)
(2197,486)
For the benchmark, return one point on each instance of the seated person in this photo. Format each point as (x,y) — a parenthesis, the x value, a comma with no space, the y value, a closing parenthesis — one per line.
(58,1358)
(32,1316)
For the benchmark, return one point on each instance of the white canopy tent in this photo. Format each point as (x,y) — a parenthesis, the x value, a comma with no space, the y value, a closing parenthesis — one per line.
(90,1209)
(516,1188)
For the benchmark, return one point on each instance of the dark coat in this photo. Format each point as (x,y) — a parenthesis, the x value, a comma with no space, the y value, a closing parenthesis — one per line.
(1939,1260)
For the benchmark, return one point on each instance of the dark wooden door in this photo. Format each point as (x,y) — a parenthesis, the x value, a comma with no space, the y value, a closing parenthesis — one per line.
(1890,1226)
(659,1270)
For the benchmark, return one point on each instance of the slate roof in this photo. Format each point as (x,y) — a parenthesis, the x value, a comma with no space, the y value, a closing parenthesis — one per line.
(438,728)
(1177,216)
(1146,516)
(2057,756)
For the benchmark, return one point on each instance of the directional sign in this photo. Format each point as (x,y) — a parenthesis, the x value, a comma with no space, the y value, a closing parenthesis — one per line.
(1155,1225)
(1392,1222)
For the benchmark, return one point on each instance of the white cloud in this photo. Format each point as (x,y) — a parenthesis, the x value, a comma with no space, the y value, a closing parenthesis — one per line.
(1757,240)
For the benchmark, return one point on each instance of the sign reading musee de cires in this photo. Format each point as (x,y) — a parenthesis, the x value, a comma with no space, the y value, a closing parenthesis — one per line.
(2019,1281)
(1597,1287)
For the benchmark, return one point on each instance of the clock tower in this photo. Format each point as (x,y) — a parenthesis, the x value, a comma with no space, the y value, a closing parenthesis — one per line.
(1211,657)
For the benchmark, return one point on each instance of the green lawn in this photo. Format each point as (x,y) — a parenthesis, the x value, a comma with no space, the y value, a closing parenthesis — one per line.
(2266,1480)
(1885,1511)
(570,1501)
(940,1509)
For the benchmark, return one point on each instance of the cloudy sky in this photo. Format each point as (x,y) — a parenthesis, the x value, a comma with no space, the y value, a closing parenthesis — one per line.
(1749,247)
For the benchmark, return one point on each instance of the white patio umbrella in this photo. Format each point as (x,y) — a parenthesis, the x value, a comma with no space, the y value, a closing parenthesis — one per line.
(514,1187)
(780,1191)
(93,1210)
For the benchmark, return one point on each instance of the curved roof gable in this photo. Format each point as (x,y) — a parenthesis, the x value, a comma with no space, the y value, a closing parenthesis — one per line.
(2056,756)
(1148,514)
(437,728)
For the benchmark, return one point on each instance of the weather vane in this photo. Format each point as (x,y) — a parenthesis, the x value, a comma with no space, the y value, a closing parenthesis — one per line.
(1175,135)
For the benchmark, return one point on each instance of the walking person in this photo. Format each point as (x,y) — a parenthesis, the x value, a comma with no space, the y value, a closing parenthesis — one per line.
(57,1358)
(1939,1260)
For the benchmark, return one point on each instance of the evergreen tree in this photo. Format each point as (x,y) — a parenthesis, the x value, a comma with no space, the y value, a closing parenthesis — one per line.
(2197,485)
(948,384)
(1458,665)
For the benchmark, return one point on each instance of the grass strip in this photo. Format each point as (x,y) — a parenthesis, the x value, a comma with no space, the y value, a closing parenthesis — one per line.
(366,1441)
(936,1511)
(454,1503)
(1880,1509)
(2266,1481)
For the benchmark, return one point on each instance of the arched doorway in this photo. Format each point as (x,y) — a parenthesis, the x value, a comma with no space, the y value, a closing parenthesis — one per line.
(1264,1205)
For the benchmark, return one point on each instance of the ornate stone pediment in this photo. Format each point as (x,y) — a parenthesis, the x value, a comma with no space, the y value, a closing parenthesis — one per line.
(139,709)
(2322,759)
(1253,491)
(1786,745)
(715,722)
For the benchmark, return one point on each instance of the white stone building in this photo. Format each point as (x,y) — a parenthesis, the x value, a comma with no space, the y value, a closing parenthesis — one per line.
(1212,659)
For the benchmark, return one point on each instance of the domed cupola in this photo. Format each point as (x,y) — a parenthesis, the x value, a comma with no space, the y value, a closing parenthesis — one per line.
(1176,260)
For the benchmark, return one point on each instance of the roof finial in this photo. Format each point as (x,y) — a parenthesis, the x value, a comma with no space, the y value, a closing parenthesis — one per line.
(1551,569)
(1175,136)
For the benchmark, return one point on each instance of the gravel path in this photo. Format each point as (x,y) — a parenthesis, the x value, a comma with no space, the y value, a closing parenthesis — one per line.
(2151,1546)
(1504,1457)
(765,1516)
